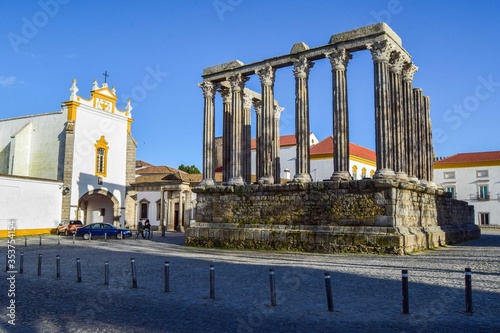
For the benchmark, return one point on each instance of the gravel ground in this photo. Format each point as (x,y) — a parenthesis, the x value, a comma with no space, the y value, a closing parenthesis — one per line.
(367,292)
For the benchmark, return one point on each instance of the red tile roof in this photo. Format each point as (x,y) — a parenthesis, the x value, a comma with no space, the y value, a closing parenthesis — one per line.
(141,164)
(325,147)
(156,170)
(488,156)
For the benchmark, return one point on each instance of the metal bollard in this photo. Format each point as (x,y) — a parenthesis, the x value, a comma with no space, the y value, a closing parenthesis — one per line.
(40,240)
(212,281)
(406,301)
(134,277)
(468,290)
(25,241)
(74,238)
(167,274)
(78,270)
(106,273)
(105,236)
(21,263)
(328,286)
(58,239)
(58,266)
(90,236)
(39,265)
(272,286)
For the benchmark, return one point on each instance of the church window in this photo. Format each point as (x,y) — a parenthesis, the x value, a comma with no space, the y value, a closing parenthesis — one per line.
(101,158)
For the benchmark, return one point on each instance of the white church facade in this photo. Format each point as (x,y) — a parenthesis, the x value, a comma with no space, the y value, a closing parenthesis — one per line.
(86,148)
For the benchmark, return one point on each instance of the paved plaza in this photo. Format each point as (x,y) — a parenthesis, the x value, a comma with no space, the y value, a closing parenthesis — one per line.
(367,294)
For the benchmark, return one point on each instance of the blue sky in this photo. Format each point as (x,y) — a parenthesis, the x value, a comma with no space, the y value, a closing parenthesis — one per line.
(155,53)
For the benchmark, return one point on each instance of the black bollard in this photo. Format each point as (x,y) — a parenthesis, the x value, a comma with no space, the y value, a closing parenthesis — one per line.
(328,286)
(212,281)
(25,241)
(134,277)
(106,273)
(105,236)
(167,273)
(58,239)
(406,301)
(272,286)
(468,290)
(40,243)
(21,263)
(39,265)
(58,266)
(74,238)
(78,270)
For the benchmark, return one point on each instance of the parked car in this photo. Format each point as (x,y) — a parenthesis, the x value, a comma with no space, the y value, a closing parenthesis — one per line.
(68,227)
(101,229)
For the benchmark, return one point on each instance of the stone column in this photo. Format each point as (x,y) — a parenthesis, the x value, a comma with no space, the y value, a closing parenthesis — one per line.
(267,75)
(181,213)
(257,105)
(277,145)
(396,83)
(417,113)
(430,147)
(301,70)
(237,86)
(225,92)
(339,59)
(409,70)
(208,133)
(247,139)
(381,52)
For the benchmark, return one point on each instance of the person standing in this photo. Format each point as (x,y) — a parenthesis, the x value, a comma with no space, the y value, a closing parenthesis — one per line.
(147,229)
(140,230)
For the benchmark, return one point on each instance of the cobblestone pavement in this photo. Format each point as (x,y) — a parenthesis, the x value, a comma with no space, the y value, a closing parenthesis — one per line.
(367,292)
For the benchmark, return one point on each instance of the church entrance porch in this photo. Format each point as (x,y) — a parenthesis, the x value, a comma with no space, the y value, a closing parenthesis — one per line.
(99,206)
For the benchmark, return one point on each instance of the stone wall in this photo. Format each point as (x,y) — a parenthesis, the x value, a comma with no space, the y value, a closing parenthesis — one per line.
(383,216)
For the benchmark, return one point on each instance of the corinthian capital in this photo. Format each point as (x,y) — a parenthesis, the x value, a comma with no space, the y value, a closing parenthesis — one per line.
(208,88)
(247,101)
(277,112)
(225,92)
(397,62)
(381,51)
(266,75)
(257,105)
(339,58)
(409,69)
(237,82)
(301,68)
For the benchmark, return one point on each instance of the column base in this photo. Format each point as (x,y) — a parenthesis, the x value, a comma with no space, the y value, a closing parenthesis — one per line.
(266,180)
(384,173)
(402,176)
(207,182)
(341,175)
(236,181)
(302,178)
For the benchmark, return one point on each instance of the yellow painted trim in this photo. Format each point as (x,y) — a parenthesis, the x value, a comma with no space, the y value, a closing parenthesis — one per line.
(129,124)
(72,106)
(101,143)
(466,165)
(97,94)
(28,232)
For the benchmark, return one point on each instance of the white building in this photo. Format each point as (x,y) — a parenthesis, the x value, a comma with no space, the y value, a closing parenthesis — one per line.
(361,160)
(475,178)
(86,146)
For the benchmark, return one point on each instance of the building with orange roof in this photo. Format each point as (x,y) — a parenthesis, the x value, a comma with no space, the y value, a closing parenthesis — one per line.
(474,178)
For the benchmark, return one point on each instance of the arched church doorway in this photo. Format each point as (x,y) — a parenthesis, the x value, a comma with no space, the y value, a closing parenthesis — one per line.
(99,206)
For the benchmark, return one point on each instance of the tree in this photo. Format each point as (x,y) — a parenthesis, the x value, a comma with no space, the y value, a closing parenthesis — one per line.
(189,169)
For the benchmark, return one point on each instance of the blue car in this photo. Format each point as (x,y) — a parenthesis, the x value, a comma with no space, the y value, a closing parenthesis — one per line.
(101,229)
